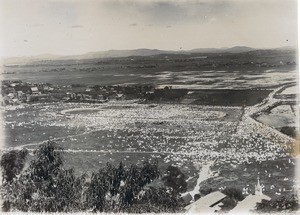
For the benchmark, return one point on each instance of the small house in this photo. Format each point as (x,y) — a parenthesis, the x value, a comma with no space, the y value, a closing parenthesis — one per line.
(34,90)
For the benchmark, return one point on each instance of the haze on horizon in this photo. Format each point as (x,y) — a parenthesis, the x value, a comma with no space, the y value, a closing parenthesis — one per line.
(65,27)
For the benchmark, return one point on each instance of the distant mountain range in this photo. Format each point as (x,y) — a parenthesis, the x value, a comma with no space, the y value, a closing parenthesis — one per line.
(128,53)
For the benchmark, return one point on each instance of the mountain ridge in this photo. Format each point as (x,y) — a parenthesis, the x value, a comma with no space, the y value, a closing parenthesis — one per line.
(130,52)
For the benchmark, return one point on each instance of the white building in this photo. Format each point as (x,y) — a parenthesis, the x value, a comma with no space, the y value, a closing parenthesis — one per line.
(207,204)
(35,90)
(249,203)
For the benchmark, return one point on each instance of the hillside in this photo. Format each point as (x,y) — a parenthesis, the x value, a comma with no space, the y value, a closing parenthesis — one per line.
(138,52)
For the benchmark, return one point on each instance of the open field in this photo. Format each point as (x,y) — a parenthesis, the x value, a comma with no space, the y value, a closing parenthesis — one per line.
(197,79)
(255,69)
(187,136)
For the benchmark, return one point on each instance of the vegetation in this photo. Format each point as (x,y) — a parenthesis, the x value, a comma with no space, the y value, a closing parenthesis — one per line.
(233,196)
(175,179)
(45,186)
(12,163)
(290,131)
(284,203)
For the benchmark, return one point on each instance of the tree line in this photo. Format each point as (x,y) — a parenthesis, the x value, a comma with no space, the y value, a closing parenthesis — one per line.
(42,184)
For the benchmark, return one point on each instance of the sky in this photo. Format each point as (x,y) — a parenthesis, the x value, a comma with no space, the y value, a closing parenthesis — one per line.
(69,27)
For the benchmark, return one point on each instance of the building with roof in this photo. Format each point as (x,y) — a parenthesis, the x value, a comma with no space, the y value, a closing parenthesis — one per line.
(34,90)
(207,204)
(249,203)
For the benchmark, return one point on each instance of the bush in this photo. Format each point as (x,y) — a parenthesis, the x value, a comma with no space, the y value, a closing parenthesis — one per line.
(12,163)
(234,193)
(290,131)
(205,191)
(175,179)
(117,189)
(157,200)
(228,204)
(233,196)
(284,203)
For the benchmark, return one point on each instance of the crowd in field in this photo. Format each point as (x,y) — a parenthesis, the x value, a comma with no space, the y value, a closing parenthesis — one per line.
(180,131)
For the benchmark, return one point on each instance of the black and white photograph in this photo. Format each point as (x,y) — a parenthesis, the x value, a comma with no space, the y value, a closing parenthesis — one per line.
(149,106)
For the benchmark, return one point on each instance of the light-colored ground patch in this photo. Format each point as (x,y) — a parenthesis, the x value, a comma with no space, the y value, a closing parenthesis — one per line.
(291,90)
(278,121)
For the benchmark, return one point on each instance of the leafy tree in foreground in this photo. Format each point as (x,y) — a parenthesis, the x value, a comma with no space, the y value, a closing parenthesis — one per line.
(157,200)
(117,189)
(45,186)
(12,163)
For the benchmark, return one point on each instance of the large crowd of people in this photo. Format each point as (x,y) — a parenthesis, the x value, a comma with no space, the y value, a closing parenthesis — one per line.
(181,133)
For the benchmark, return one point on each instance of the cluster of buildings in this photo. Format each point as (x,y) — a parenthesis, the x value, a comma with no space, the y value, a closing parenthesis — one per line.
(94,95)
(100,94)
(213,202)
(17,92)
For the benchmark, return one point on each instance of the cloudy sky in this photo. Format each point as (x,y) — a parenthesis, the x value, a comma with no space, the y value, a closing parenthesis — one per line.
(65,27)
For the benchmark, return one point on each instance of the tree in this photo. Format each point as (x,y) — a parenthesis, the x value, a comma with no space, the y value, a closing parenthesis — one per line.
(117,189)
(233,196)
(175,179)
(157,200)
(205,191)
(284,203)
(234,193)
(45,186)
(12,163)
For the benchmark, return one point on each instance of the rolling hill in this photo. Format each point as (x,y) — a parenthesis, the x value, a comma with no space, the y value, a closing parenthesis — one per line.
(127,53)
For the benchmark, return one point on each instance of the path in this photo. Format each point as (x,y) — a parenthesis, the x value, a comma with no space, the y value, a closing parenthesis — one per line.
(204,174)
(266,104)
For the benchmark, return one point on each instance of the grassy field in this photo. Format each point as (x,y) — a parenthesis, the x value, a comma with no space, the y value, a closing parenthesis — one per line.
(218,71)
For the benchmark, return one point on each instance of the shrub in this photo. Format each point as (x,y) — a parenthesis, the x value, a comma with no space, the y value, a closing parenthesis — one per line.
(117,189)
(175,179)
(12,163)
(157,200)
(284,203)
(205,191)
(233,195)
